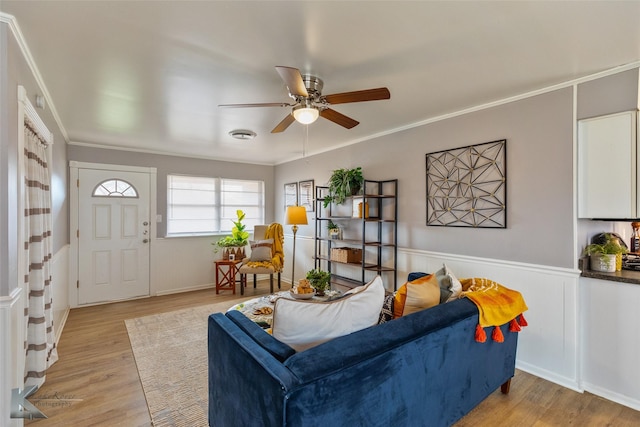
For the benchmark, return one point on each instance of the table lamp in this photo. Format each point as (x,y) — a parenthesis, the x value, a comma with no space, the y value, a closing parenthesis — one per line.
(296,215)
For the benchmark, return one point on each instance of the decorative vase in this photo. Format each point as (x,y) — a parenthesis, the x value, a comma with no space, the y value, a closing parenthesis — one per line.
(603,262)
(320,292)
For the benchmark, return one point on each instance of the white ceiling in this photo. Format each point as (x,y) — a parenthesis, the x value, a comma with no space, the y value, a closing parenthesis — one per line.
(149,75)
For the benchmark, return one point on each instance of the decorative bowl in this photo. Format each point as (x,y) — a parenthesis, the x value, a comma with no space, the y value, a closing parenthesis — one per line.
(301,296)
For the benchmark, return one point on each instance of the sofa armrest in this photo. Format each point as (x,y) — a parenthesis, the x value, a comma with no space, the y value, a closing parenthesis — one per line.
(278,349)
(246,383)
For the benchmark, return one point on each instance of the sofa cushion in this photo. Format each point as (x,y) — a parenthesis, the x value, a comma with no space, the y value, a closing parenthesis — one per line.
(304,324)
(261,250)
(278,349)
(448,281)
(386,314)
(416,295)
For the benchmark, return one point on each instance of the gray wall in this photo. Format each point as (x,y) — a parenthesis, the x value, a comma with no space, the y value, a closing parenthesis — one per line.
(539,132)
(166,165)
(15,71)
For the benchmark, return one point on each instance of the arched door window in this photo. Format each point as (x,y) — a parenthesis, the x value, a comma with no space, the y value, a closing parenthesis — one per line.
(115,188)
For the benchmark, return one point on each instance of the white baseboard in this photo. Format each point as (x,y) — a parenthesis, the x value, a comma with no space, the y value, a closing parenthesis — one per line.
(613,396)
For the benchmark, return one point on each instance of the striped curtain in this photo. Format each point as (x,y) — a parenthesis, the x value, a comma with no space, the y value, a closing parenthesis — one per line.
(40,343)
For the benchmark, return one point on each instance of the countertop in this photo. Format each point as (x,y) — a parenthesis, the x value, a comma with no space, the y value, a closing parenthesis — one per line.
(624,276)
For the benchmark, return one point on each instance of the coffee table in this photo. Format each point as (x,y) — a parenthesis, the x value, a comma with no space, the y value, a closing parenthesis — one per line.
(260,309)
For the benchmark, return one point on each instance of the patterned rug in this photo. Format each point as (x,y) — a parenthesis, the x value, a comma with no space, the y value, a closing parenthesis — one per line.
(170,350)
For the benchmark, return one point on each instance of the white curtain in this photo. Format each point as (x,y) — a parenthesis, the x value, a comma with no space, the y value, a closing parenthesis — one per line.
(40,342)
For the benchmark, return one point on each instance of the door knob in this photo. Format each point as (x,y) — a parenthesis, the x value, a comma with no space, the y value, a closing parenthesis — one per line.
(145,241)
(145,223)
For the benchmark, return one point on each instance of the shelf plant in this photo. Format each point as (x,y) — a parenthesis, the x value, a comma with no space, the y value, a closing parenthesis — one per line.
(342,184)
(334,230)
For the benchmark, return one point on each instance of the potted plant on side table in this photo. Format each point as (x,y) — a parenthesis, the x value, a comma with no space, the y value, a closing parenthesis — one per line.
(603,255)
(237,241)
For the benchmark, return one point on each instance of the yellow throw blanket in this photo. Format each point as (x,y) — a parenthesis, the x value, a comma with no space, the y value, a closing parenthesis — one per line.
(496,304)
(275,232)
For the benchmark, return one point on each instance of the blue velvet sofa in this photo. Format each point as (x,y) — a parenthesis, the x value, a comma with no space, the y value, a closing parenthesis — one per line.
(424,369)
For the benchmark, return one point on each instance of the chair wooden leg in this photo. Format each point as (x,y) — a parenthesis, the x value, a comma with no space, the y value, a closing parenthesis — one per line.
(243,282)
(254,281)
(279,281)
(271,282)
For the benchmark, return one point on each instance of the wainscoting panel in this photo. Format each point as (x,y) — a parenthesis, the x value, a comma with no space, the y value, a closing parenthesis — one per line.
(548,347)
(610,340)
(60,293)
(11,351)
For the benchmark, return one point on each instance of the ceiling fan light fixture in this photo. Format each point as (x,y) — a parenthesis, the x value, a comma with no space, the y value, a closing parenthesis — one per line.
(305,115)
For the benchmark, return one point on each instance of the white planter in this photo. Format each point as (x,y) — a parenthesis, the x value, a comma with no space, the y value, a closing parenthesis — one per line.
(606,263)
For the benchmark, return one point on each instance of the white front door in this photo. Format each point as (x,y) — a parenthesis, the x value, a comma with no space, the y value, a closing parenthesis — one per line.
(113,235)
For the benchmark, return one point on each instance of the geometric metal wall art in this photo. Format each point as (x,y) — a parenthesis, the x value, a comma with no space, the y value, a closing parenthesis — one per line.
(467,187)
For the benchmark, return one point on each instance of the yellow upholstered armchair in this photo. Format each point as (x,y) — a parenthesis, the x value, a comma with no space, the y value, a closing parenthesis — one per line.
(267,255)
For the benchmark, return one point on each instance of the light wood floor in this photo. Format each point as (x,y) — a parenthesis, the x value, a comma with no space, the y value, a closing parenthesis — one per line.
(95,381)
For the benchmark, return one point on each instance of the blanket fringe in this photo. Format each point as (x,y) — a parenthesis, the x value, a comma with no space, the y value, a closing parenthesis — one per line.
(514,326)
(497,334)
(522,321)
(481,335)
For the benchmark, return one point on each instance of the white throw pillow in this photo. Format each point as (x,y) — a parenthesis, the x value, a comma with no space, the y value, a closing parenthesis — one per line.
(304,324)
(261,250)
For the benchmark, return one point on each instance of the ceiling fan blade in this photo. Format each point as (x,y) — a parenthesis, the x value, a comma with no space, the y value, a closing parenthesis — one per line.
(261,104)
(359,96)
(293,80)
(284,124)
(339,118)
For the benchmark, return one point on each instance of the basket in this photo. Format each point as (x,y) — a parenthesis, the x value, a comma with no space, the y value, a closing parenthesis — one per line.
(346,255)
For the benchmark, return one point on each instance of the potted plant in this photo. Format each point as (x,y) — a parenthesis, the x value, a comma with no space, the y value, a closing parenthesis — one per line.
(342,184)
(238,239)
(334,230)
(603,255)
(319,280)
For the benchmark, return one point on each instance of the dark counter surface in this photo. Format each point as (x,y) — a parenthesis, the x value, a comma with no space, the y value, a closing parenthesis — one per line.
(624,276)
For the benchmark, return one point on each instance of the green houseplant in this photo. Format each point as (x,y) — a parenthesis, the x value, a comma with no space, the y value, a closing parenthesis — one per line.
(238,238)
(334,230)
(319,280)
(342,184)
(603,255)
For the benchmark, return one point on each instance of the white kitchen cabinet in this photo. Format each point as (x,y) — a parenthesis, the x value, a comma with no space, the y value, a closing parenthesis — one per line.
(608,167)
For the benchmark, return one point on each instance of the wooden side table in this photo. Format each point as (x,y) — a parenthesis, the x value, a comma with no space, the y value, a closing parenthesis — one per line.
(226,272)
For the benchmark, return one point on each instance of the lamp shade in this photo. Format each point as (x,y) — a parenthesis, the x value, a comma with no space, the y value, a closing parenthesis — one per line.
(305,115)
(296,215)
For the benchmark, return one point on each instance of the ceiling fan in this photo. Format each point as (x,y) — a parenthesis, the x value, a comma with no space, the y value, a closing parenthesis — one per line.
(306,91)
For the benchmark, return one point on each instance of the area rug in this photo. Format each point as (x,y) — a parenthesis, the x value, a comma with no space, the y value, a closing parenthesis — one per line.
(170,351)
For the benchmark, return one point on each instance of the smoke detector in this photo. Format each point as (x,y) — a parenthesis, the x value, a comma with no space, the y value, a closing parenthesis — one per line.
(243,134)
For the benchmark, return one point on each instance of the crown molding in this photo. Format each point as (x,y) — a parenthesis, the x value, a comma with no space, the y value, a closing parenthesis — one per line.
(10,20)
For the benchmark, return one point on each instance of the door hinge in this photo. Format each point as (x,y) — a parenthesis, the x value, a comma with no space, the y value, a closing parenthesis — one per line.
(78,233)
(78,183)
(78,284)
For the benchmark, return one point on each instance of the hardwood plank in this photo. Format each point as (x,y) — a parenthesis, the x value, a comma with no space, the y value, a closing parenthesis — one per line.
(97,367)
(95,382)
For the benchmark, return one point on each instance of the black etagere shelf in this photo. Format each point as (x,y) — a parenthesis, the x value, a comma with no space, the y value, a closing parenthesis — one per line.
(376,235)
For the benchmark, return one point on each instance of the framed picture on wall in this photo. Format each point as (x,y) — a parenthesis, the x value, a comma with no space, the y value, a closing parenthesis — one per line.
(290,194)
(467,186)
(305,199)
